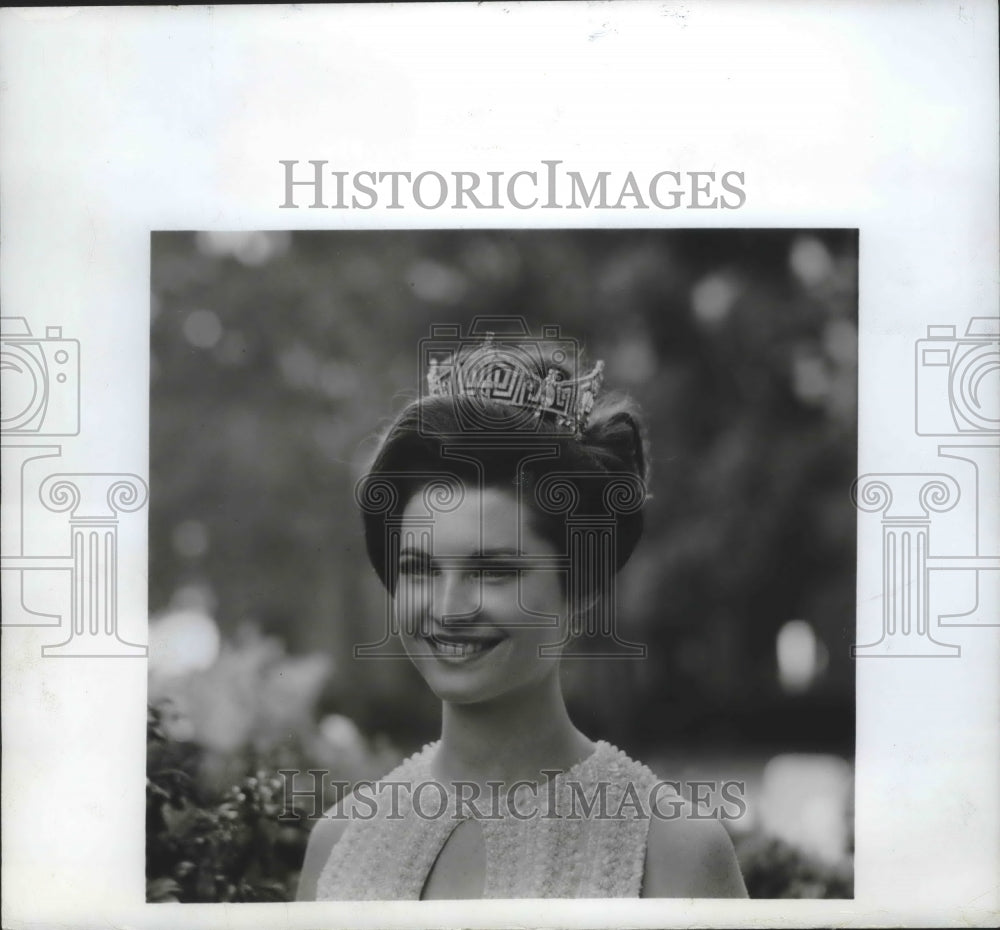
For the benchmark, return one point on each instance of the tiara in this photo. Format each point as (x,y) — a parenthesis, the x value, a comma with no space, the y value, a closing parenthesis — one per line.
(504,375)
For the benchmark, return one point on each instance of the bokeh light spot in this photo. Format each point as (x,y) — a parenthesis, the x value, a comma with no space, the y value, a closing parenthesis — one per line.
(810,260)
(190,539)
(712,298)
(249,248)
(202,329)
(299,366)
(435,282)
(798,656)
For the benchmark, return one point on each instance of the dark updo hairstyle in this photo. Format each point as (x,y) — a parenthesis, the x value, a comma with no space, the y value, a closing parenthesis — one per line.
(598,473)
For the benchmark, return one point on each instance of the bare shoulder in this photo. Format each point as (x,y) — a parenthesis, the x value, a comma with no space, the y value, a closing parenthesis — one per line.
(690,857)
(325,834)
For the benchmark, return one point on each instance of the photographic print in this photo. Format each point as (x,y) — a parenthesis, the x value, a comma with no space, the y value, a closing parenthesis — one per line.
(283,673)
(498,465)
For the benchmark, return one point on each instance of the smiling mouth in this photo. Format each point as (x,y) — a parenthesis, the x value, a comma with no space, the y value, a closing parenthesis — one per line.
(457,647)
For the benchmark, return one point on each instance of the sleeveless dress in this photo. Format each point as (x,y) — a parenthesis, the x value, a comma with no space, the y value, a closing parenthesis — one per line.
(581,834)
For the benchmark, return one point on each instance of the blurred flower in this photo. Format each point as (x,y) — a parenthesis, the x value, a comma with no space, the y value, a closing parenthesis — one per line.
(803,802)
(251,694)
(249,248)
(182,641)
(340,732)
(341,746)
(288,691)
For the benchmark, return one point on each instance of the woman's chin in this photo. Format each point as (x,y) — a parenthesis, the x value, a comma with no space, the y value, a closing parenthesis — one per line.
(463,677)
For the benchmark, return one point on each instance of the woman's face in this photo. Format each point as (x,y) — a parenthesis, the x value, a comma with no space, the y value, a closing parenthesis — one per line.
(474,608)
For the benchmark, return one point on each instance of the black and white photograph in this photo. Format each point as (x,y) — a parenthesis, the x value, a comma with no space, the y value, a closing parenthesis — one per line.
(375,535)
(500,465)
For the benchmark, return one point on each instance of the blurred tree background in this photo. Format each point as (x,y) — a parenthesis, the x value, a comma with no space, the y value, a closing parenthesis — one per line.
(276,358)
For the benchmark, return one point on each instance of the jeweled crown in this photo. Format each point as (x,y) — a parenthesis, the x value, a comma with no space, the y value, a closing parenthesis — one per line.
(504,375)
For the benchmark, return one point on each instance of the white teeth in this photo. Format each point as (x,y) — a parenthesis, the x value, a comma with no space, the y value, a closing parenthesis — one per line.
(459,649)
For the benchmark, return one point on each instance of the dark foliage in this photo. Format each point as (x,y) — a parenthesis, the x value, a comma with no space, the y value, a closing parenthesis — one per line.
(232,848)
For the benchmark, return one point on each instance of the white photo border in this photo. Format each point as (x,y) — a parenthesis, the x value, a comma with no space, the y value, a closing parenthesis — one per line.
(119,122)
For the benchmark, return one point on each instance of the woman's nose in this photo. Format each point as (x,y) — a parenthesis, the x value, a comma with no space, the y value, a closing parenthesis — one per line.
(455,597)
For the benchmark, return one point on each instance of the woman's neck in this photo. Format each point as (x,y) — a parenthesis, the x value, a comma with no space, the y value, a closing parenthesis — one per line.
(511,738)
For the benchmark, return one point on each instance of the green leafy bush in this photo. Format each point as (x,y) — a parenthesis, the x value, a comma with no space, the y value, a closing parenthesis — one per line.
(773,868)
(231,848)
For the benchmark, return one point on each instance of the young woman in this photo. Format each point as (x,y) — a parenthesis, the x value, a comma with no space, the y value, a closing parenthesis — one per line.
(497,510)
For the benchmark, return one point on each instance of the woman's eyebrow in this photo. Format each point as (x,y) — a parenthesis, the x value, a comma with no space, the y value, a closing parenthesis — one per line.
(412,551)
(500,552)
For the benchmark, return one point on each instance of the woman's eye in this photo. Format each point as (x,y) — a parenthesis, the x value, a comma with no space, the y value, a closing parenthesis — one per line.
(414,569)
(499,573)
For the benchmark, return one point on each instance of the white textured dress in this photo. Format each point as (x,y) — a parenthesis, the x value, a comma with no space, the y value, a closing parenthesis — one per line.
(580,835)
